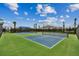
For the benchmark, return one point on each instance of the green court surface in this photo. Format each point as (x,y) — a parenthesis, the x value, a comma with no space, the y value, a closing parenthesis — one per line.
(16,45)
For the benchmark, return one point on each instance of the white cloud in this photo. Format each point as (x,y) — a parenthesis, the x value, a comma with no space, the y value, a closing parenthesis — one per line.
(62,19)
(7,24)
(43,10)
(74,7)
(43,14)
(61,16)
(67,10)
(12,6)
(26,13)
(27,19)
(49,9)
(40,21)
(16,13)
(48,20)
(33,19)
(67,16)
(52,18)
(39,8)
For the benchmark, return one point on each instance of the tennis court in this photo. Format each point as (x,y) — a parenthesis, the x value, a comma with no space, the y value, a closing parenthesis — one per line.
(48,40)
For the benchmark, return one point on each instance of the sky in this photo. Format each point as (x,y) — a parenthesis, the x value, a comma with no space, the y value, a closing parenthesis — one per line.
(27,14)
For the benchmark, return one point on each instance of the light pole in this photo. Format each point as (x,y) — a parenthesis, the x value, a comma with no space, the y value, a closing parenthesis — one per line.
(63,26)
(14,23)
(35,26)
(75,25)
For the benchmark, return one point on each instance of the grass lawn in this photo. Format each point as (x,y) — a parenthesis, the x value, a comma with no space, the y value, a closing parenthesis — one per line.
(16,45)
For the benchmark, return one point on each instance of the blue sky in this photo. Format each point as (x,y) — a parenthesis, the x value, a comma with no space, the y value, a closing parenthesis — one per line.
(27,14)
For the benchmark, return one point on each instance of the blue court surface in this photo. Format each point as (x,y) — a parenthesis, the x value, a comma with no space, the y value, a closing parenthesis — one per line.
(48,41)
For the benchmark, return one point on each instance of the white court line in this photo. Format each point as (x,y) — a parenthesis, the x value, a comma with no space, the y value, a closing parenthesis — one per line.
(57,43)
(45,45)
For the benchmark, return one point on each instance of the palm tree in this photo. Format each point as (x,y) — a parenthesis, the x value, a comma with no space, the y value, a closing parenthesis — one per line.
(14,23)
